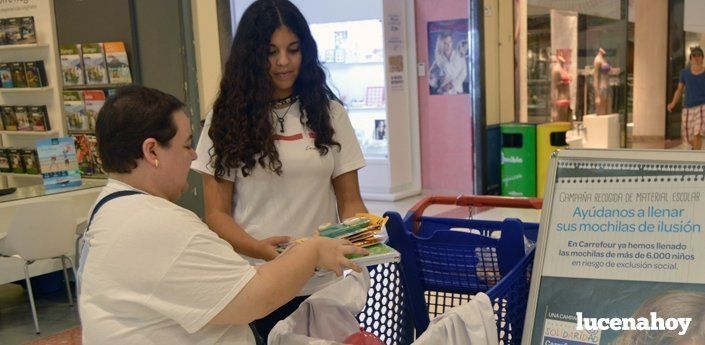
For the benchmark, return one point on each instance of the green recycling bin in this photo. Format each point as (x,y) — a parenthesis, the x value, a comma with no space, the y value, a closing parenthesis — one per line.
(518,159)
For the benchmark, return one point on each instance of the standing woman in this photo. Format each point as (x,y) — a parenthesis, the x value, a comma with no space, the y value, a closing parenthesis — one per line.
(278,154)
(693,80)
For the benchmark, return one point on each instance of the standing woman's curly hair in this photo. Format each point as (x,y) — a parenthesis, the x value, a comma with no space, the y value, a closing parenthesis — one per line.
(241,127)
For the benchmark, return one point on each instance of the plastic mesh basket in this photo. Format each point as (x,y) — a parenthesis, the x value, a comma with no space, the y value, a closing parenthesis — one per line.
(509,298)
(386,314)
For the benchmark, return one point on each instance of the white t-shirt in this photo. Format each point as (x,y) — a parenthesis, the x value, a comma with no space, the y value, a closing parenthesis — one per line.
(296,202)
(156,274)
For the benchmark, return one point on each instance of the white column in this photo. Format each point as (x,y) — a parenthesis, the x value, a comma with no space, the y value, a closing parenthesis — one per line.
(505,12)
(205,32)
(499,61)
(650,64)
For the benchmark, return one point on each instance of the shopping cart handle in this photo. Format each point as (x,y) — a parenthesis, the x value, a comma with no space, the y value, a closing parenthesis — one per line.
(417,210)
(499,201)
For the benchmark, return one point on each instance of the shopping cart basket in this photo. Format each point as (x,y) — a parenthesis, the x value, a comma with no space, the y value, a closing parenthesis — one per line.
(509,298)
(387,313)
(446,260)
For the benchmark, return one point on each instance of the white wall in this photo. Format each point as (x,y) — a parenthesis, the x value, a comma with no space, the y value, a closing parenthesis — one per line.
(650,46)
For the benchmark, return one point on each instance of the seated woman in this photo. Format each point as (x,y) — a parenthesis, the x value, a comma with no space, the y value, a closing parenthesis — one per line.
(151,272)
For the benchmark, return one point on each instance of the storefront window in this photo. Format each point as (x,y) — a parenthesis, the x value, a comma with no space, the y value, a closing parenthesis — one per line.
(575,61)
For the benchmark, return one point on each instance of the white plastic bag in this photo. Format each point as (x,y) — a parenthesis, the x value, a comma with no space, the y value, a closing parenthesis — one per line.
(470,323)
(328,316)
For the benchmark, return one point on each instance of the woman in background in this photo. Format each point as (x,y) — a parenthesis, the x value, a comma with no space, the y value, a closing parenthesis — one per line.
(693,81)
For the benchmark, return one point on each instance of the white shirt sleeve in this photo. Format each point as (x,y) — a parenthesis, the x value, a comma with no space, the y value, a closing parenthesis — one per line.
(203,164)
(201,281)
(350,156)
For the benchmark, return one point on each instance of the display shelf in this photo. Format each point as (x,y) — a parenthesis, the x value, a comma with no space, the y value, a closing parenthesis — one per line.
(26,89)
(37,176)
(23,46)
(46,50)
(94,86)
(31,133)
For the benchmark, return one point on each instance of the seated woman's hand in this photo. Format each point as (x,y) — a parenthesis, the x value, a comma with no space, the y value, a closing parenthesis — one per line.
(331,254)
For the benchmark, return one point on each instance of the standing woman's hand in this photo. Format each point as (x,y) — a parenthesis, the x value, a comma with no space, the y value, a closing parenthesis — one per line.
(269,246)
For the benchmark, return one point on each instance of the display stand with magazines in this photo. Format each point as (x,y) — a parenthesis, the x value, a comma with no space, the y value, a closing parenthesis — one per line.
(30,102)
(91,72)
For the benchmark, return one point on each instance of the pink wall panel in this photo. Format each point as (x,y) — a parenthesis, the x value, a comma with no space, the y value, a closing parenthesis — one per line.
(445,120)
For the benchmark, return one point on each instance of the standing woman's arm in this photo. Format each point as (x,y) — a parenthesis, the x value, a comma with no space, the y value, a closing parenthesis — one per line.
(218,201)
(347,194)
(348,159)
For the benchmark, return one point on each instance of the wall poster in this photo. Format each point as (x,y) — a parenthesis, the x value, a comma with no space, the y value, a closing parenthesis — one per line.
(448,57)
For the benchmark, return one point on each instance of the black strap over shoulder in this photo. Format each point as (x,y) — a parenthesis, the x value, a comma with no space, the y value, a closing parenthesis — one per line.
(107,198)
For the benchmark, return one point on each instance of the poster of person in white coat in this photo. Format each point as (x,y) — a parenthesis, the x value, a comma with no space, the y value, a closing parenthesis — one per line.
(448,50)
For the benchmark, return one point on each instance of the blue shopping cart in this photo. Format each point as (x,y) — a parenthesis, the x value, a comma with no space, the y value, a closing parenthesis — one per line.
(447,260)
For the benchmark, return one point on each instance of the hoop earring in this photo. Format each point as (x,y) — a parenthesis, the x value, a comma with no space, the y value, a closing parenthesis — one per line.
(156,163)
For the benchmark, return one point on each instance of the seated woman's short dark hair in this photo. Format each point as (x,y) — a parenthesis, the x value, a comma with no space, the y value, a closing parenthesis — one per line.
(134,114)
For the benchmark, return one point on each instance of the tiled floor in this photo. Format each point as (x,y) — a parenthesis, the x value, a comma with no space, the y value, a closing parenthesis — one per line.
(16,326)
